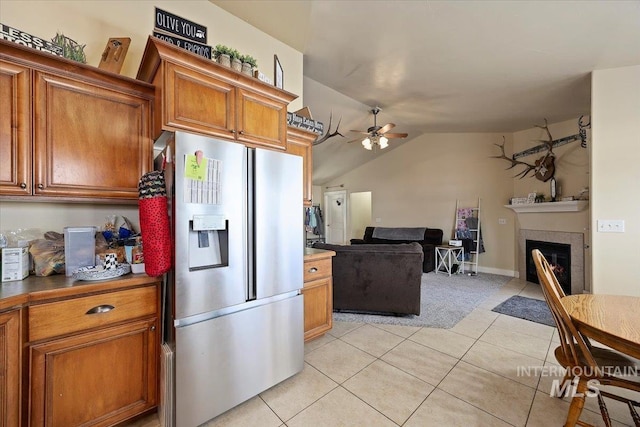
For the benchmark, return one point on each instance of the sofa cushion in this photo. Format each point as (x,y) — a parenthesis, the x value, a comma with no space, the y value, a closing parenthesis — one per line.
(430,239)
(431,235)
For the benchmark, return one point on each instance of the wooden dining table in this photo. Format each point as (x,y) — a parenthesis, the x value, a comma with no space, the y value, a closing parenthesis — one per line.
(613,320)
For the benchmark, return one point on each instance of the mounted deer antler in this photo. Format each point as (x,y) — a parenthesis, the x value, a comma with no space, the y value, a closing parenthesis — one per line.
(544,167)
(513,161)
(329,134)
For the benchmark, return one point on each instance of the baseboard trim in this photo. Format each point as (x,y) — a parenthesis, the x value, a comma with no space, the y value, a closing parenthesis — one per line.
(500,271)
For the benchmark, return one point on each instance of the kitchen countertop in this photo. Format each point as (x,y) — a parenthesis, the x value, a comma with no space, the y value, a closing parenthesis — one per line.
(313,253)
(38,288)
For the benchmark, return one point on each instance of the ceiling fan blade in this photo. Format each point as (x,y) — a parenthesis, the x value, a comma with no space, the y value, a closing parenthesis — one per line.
(355,140)
(360,132)
(386,128)
(395,135)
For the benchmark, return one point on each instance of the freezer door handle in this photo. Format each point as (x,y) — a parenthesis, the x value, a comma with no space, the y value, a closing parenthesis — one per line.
(251,231)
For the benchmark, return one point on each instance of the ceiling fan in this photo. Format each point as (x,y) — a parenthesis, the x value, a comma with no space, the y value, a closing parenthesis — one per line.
(377,135)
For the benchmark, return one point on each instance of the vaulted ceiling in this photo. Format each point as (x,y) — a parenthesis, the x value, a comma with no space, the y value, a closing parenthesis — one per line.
(445,66)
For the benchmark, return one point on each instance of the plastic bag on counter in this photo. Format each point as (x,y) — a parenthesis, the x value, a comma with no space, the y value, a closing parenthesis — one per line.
(19,237)
(48,254)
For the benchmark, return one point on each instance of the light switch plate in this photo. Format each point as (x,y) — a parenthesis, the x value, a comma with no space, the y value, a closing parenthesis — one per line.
(611,225)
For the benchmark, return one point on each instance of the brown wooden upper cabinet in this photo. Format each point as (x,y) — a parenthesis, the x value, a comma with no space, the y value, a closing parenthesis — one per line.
(71,131)
(197,95)
(300,143)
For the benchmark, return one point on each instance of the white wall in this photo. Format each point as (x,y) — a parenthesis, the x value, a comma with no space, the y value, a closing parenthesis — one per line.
(417,184)
(93,23)
(615,179)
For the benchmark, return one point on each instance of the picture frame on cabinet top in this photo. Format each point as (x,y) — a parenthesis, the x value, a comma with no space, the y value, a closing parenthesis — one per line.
(278,73)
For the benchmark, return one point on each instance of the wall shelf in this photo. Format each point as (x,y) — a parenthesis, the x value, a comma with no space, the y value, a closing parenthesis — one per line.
(568,206)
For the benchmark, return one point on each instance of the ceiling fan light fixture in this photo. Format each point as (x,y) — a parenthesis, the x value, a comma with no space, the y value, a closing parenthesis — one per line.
(376,134)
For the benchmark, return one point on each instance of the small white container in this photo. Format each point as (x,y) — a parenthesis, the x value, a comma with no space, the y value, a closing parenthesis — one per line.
(137,268)
(79,248)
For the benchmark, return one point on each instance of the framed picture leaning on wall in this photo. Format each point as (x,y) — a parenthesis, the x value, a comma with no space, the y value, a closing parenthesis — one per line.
(278,73)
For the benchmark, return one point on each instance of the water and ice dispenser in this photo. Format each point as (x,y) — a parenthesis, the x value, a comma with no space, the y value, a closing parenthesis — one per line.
(208,242)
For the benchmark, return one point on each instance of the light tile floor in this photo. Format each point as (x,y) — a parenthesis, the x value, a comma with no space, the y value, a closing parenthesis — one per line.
(473,374)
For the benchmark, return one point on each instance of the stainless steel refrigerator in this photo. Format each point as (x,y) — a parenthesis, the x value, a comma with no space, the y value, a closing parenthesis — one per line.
(233,304)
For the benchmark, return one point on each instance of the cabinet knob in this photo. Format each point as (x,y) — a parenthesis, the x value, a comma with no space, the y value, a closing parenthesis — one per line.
(241,132)
(233,131)
(313,270)
(153,328)
(100,309)
(40,186)
(23,185)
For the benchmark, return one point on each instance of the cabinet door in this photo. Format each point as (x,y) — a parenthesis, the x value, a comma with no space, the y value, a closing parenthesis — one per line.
(197,102)
(89,141)
(10,368)
(301,144)
(97,379)
(261,120)
(15,130)
(318,307)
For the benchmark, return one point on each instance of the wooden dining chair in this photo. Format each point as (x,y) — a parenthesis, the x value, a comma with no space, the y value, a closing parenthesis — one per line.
(583,360)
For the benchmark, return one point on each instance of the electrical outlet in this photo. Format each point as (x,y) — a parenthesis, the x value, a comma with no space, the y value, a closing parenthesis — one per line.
(611,225)
(502,221)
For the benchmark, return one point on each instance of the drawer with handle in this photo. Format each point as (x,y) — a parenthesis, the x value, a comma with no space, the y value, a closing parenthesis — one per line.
(78,314)
(317,269)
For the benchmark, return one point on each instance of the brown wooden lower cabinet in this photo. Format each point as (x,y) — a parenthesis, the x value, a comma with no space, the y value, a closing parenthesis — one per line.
(10,368)
(318,293)
(96,378)
(91,358)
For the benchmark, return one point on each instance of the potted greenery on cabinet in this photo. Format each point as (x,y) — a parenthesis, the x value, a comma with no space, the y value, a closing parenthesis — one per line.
(230,57)
(236,62)
(249,63)
(222,54)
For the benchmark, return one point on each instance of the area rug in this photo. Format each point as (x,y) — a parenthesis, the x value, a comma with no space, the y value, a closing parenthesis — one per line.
(531,309)
(444,300)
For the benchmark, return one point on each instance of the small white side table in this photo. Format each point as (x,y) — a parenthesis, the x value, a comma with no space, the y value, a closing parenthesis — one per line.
(446,256)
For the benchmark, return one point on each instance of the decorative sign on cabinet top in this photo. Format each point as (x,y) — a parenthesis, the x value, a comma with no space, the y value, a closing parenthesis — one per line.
(305,123)
(183,33)
(180,27)
(20,37)
(197,48)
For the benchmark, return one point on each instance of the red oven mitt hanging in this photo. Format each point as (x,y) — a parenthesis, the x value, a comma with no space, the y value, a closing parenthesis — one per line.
(154,223)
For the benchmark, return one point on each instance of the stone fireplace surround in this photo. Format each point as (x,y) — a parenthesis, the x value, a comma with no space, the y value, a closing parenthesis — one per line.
(576,240)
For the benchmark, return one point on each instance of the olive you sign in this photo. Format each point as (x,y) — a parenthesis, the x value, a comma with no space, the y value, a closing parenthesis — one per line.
(181,27)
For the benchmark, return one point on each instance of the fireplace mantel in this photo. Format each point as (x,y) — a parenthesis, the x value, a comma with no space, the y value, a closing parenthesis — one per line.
(567,206)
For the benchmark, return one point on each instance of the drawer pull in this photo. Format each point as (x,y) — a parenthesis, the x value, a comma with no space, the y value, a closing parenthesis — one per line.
(313,270)
(100,309)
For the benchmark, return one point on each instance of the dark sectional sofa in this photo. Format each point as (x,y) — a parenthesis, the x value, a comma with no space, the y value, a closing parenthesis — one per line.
(378,278)
(428,238)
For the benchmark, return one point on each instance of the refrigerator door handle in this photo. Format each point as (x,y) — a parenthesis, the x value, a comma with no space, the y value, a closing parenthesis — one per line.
(251,232)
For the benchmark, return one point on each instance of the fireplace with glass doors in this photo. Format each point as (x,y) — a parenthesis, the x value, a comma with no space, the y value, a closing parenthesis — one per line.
(558,256)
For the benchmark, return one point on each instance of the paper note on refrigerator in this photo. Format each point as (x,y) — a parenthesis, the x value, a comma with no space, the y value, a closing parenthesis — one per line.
(202,181)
